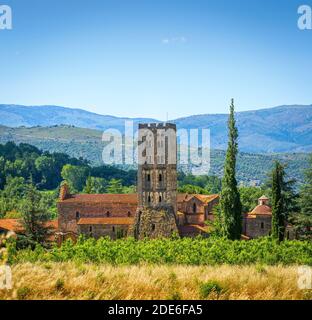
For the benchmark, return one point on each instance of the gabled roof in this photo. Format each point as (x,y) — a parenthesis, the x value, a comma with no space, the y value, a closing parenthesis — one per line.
(262,209)
(10,225)
(103,198)
(130,199)
(184,197)
(103,221)
(15,225)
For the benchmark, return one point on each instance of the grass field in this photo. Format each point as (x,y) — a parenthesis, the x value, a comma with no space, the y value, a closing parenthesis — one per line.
(70,280)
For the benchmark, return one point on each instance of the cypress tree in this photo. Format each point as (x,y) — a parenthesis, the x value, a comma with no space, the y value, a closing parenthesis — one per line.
(304,220)
(230,203)
(278,202)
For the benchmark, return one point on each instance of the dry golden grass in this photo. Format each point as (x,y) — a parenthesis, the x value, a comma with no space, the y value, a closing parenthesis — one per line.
(74,281)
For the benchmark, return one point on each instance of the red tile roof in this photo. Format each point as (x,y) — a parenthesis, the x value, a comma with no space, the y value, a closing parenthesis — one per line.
(10,225)
(15,225)
(262,209)
(103,198)
(201,197)
(111,221)
(131,199)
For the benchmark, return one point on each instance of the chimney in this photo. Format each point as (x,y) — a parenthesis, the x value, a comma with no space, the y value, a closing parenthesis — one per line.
(64,192)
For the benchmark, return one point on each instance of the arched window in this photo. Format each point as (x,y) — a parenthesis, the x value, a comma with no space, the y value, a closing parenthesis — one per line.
(160,199)
(194,208)
(148,177)
(149,199)
(107,214)
(77,215)
(160,177)
(129,214)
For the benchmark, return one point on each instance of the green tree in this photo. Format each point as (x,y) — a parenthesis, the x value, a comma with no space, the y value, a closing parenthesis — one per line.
(95,185)
(75,176)
(278,214)
(46,166)
(34,215)
(249,197)
(230,203)
(11,196)
(303,221)
(115,186)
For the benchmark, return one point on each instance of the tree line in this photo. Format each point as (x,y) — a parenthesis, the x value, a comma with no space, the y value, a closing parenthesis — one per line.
(287,205)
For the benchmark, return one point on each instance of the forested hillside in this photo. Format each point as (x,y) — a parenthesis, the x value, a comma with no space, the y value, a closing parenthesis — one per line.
(87,144)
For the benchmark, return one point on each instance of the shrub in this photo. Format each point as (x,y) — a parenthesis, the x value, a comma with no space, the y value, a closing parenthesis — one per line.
(23,293)
(59,284)
(210,287)
(186,251)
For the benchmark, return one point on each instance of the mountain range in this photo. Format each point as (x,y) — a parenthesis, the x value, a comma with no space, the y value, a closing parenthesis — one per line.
(272,130)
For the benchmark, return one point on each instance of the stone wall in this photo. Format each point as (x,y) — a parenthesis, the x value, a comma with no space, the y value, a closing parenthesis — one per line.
(257,226)
(99,230)
(70,213)
(155,223)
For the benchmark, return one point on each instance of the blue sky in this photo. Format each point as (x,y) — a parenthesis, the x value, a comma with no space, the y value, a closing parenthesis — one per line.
(147,58)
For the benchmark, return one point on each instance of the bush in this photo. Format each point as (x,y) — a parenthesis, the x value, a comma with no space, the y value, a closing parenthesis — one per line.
(186,251)
(210,287)
(59,284)
(23,293)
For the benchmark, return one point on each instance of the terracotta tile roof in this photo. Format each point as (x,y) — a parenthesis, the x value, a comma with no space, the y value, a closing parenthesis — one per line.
(112,221)
(103,198)
(202,197)
(262,209)
(129,198)
(10,225)
(15,225)
(206,198)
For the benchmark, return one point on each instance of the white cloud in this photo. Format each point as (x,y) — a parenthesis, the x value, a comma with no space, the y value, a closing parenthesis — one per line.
(174,40)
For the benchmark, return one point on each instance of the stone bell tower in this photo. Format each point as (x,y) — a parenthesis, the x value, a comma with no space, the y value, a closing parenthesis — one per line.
(157,180)
(157,171)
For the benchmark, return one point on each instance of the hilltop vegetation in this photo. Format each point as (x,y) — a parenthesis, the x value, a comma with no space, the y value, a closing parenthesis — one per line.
(87,144)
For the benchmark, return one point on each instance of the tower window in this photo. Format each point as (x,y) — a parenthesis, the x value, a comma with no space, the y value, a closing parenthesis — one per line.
(153,227)
(194,208)
(148,177)
(160,177)
(149,199)
(113,229)
(262,225)
(77,215)
(160,199)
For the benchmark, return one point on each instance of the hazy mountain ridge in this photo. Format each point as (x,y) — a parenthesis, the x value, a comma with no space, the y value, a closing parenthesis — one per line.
(279,129)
